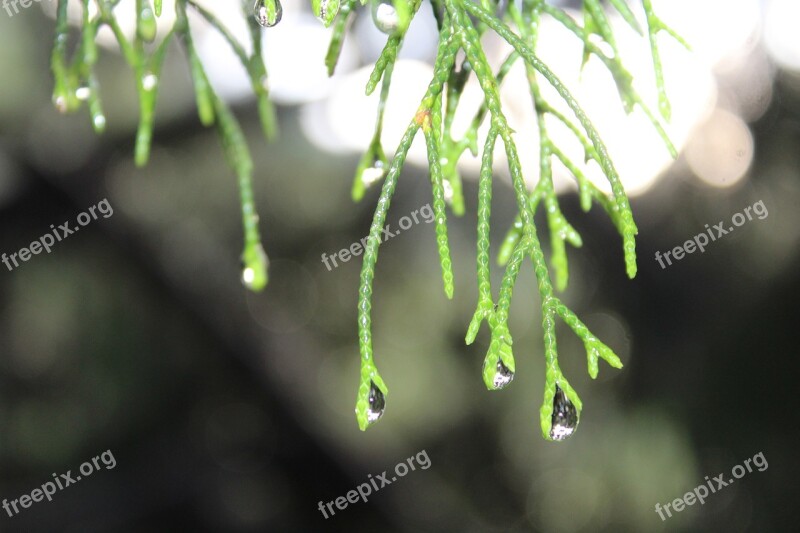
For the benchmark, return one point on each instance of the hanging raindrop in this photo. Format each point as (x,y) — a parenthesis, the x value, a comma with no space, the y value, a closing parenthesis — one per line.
(326,10)
(149,81)
(248,276)
(448,191)
(384,15)
(82,93)
(374,173)
(377,404)
(268,12)
(99,122)
(61,104)
(503,376)
(565,417)
(254,268)
(146,27)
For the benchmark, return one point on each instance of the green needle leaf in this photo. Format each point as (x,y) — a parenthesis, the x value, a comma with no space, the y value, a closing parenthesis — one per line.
(254,274)
(431,128)
(338,35)
(622,7)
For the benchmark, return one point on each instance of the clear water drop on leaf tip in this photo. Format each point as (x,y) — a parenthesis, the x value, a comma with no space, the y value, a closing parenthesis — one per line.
(82,93)
(268,13)
(248,275)
(255,268)
(61,104)
(565,417)
(384,15)
(325,10)
(448,191)
(374,173)
(149,81)
(377,403)
(503,376)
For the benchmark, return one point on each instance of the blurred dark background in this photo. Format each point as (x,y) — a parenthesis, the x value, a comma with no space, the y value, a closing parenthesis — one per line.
(228,411)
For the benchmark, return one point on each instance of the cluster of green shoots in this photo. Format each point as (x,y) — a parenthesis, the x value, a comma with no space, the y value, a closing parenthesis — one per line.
(76,83)
(460,55)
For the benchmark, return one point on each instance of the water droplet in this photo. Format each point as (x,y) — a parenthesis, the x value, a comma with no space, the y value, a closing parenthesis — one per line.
(149,81)
(503,376)
(325,10)
(448,191)
(61,104)
(248,276)
(268,12)
(384,15)
(254,268)
(565,416)
(147,26)
(377,404)
(82,93)
(99,121)
(374,173)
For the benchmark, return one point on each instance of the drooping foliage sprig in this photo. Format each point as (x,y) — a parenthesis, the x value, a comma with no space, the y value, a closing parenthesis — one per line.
(461,25)
(460,56)
(75,82)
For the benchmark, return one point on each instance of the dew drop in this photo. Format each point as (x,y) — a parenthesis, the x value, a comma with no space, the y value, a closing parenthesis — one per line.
(325,10)
(149,81)
(82,93)
(147,27)
(99,122)
(254,268)
(448,191)
(61,104)
(373,174)
(565,417)
(377,404)
(503,376)
(268,12)
(384,15)
(248,276)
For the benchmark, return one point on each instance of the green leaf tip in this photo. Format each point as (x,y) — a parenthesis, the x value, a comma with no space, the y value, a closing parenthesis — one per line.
(255,266)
